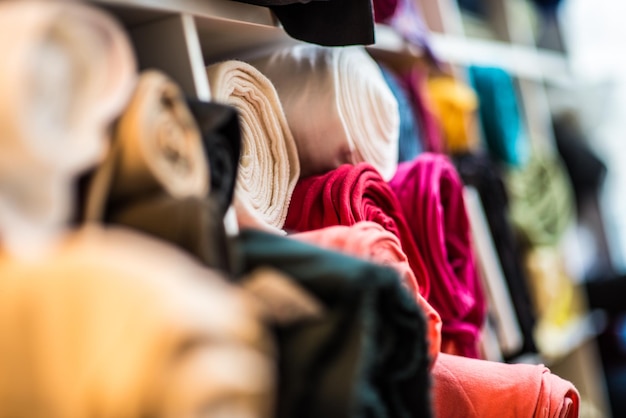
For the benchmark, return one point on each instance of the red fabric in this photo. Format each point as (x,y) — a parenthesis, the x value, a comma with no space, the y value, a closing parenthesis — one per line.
(347,195)
(431,196)
(384,10)
(372,242)
(469,388)
(414,82)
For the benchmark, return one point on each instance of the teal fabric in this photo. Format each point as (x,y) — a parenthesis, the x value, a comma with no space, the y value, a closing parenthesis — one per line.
(366,357)
(499,112)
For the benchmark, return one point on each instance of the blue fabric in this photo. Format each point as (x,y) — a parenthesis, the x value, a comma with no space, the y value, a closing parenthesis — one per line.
(409,145)
(503,127)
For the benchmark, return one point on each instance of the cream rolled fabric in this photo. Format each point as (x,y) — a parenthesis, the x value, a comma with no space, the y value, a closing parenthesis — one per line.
(157,147)
(67,72)
(338,105)
(116,325)
(268,166)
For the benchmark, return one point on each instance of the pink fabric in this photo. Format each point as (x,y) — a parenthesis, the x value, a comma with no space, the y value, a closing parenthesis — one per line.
(347,195)
(372,242)
(431,195)
(414,82)
(469,388)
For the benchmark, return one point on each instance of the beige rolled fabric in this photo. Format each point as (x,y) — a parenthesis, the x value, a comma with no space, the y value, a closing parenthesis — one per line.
(116,325)
(157,147)
(268,166)
(338,105)
(67,72)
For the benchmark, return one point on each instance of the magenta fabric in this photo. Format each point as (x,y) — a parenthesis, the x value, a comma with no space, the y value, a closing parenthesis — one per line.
(469,388)
(414,82)
(384,10)
(430,192)
(350,194)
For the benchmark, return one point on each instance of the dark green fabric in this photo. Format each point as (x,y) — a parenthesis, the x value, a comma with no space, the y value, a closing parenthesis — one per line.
(367,355)
(194,225)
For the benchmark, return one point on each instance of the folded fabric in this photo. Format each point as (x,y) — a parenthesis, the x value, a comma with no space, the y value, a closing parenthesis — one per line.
(409,145)
(430,194)
(268,166)
(157,149)
(370,241)
(195,225)
(470,388)
(68,70)
(499,112)
(455,104)
(356,114)
(542,200)
(348,195)
(325,22)
(116,325)
(406,19)
(221,140)
(366,355)
(415,82)
(485,175)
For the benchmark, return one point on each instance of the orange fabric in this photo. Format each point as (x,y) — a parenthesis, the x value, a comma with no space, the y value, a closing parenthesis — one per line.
(372,242)
(468,388)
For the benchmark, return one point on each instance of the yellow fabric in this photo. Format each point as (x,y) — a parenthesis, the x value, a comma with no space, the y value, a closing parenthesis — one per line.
(454,104)
(118,325)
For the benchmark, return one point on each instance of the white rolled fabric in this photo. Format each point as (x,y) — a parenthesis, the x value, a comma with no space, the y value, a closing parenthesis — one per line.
(268,167)
(117,325)
(67,71)
(338,105)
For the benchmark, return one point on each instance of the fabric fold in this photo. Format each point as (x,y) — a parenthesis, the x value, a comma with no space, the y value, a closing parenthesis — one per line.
(471,388)
(114,324)
(356,114)
(268,166)
(430,194)
(348,195)
(366,355)
(68,70)
(370,241)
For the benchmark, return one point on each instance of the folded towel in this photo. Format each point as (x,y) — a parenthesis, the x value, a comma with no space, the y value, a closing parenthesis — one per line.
(268,166)
(67,71)
(370,241)
(348,195)
(114,325)
(430,193)
(338,106)
(366,355)
(156,149)
(470,388)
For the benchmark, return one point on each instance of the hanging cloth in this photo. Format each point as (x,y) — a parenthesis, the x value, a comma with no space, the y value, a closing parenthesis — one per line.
(430,193)
(348,195)
(367,354)
(268,165)
(356,115)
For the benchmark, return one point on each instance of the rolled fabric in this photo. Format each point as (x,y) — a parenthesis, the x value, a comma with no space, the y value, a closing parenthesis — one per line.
(357,118)
(542,200)
(499,114)
(348,195)
(471,388)
(114,324)
(484,173)
(370,241)
(268,166)
(415,82)
(157,149)
(455,104)
(430,194)
(366,355)
(409,145)
(221,140)
(68,70)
